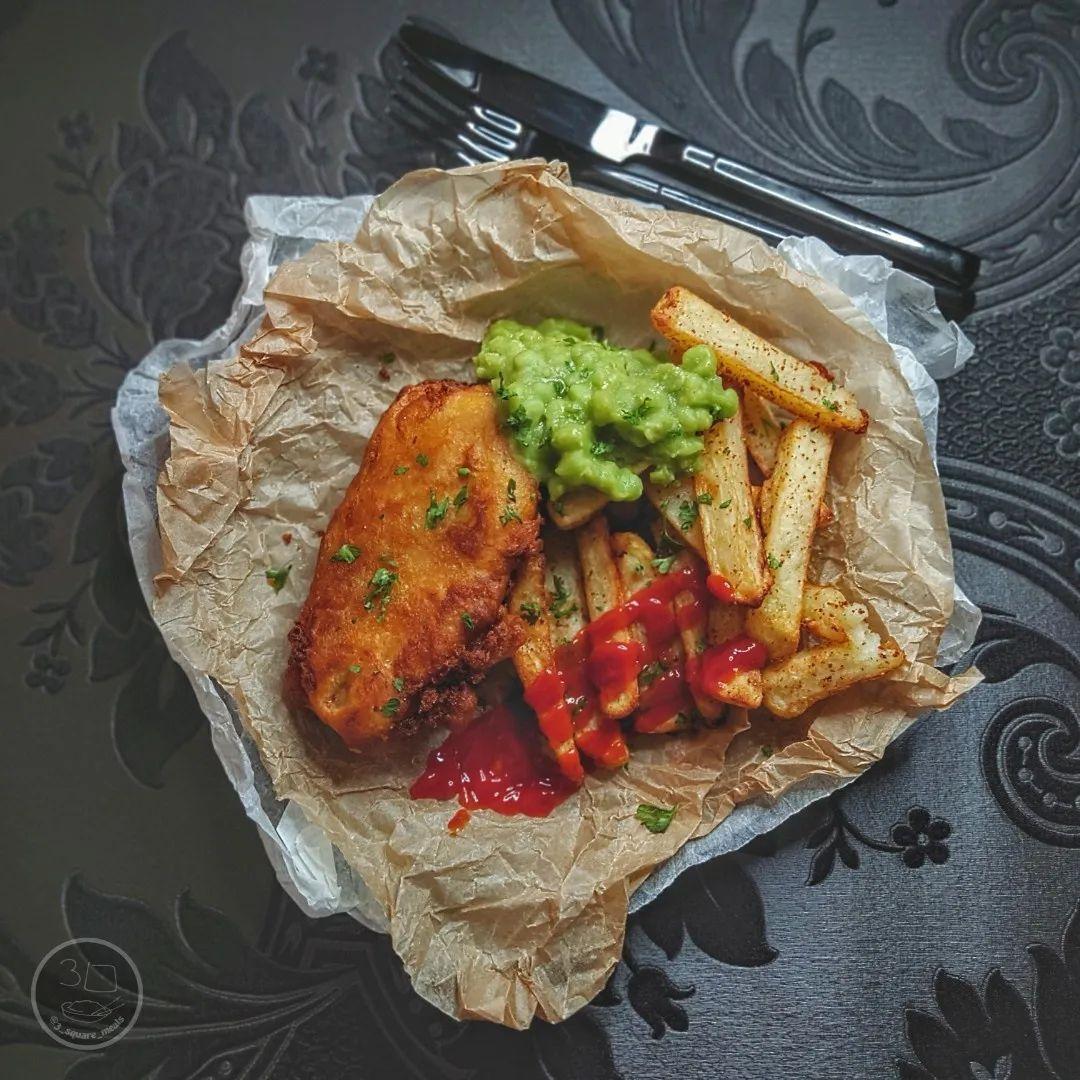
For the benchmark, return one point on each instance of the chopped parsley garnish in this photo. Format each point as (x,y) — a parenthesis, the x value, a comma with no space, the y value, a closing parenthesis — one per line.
(773,561)
(638,412)
(651,672)
(530,612)
(436,510)
(379,588)
(655,818)
(387,358)
(509,514)
(399,683)
(663,564)
(390,707)
(347,553)
(423,460)
(500,390)
(600,448)
(559,386)
(561,606)
(461,497)
(705,499)
(354,668)
(832,406)
(767,751)
(277,576)
(773,372)
(748,521)
(724,505)
(518,420)
(464,470)
(467,619)
(401,470)
(511,489)
(687,515)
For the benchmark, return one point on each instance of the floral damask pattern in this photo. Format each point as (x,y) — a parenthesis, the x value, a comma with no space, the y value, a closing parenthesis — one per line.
(994,1032)
(287,1008)
(917,839)
(175,184)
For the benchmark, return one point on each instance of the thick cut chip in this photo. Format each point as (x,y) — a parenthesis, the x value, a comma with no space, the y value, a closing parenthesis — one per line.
(535,657)
(798,682)
(408,601)
(755,364)
(603,592)
(729,522)
(677,505)
(762,427)
(580,505)
(576,507)
(796,488)
(726,622)
(827,614)
(566,603)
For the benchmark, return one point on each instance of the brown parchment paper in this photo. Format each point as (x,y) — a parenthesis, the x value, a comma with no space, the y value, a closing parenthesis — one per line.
(516,917)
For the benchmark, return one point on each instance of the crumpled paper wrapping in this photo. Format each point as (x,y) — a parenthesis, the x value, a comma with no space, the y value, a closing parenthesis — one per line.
(513,917)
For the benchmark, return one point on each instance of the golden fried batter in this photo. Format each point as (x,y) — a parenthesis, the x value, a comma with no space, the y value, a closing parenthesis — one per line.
(407,602)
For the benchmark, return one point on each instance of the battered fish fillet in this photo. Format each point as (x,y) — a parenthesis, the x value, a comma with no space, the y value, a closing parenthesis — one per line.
(407,605)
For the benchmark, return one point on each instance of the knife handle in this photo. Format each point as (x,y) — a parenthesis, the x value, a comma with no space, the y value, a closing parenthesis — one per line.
(954,302)
(808,211)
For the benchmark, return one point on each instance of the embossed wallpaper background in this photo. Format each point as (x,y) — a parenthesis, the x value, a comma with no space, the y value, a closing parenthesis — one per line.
(923,924)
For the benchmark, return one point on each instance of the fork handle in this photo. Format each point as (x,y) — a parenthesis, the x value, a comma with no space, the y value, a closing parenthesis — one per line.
(811,212)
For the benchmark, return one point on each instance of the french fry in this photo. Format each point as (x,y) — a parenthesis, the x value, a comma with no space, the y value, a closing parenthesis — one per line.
(794,684)
(795,488)
(595,735)
(693,632)
(727,621)
(761,429)
(536,655)
(827,614)
(576,507)
(729,523)
(604,591)
(756,365)
(566,604)
(634,557)
(635,564)
(763,502)
(677,506)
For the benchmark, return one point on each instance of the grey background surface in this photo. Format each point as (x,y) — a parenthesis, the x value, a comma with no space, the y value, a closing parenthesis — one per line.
(123,227)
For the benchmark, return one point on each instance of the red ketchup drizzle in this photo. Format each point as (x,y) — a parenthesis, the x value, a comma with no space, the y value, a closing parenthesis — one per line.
(496,763)
(721,663)
(721,588)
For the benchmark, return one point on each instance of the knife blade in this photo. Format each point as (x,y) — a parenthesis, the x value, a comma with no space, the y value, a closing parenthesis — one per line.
(622,138)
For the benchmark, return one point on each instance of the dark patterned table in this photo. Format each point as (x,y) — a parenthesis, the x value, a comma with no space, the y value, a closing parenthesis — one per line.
(923,924)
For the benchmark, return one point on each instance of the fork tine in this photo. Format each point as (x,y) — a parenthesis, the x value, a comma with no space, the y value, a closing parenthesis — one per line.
(440,86)
(488,153)
(404,111)
(415,106)
(432,93)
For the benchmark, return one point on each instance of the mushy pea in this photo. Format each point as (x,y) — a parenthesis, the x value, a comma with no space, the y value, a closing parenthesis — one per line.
(584,413)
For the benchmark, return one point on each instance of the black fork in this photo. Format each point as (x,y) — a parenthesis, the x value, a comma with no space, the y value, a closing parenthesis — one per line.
(438,110)
(471,132)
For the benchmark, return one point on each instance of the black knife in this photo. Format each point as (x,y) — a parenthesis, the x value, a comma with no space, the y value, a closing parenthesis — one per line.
(624,139)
